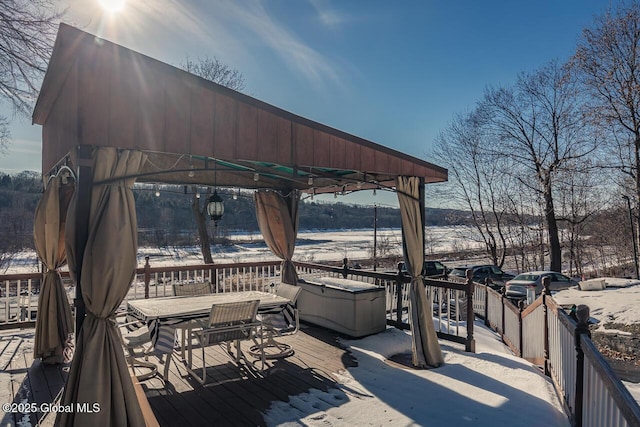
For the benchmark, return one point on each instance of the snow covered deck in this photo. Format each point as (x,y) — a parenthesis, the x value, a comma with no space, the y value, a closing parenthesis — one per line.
(329,381)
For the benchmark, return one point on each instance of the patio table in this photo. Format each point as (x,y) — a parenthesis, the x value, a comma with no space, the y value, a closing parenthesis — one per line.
(167,314)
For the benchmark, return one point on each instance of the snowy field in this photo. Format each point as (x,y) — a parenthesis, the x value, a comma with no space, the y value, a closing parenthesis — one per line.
(311,246)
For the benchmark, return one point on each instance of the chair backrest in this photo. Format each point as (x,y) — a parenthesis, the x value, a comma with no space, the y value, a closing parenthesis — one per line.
(233,313)
(191,289)
(230,321)
(289,292)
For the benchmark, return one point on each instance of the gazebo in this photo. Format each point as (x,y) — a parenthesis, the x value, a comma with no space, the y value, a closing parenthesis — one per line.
(111,117)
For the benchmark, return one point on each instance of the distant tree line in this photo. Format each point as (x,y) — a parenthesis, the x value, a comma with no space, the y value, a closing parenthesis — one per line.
(19,195)
(168,220)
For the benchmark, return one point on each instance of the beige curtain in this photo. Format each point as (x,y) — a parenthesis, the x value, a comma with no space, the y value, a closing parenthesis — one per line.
(54,322)
(99,373)
(278,222)
(425,346)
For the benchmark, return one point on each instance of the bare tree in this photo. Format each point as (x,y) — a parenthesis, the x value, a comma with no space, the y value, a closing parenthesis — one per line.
(27,32)
(476,183)
(538,124)
(214,70)
(608,56)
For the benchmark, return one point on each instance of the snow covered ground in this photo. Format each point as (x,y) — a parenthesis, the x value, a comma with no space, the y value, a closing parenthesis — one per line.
(618,303)
(490,387)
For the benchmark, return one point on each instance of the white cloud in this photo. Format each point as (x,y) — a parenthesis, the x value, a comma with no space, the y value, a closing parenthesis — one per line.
(300,57)
(327,15)
(22,154)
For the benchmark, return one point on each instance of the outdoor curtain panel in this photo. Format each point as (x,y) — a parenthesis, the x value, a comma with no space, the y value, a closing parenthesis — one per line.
(278,222)
(99,373)
(425,346)
(54,320)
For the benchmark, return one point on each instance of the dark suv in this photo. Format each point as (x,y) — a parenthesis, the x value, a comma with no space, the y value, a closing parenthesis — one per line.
(430,268)
(481,273)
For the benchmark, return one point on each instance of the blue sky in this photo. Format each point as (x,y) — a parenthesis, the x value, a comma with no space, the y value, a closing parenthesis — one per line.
(391,72)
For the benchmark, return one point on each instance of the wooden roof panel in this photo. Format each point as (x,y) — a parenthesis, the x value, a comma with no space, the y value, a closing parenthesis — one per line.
(285,140)
(321,149)
(352,155)
(224,139)
(151,111)
(267,134)
(127,99)
(202,121)
(337,150)
(177,113)
(123,105)
(247,142)
(94,86)
(303,140)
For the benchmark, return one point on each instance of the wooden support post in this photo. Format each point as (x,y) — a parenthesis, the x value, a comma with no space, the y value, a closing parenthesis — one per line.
(582,314)
(399,292)
(520,328)
(147,276)
(83,207)
(546,283)
(486,302)
(470,344)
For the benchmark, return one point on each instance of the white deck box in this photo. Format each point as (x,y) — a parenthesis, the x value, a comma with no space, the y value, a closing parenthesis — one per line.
(353,308)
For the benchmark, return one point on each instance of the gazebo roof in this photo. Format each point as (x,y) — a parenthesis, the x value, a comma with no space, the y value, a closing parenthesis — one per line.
(98,93)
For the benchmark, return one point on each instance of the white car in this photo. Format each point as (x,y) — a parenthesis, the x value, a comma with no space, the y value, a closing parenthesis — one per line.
(517,287)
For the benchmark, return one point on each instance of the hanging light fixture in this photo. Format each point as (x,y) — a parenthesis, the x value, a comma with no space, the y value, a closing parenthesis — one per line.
(157,189)
(215,207)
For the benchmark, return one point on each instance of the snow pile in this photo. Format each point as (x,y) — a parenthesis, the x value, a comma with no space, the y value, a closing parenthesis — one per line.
(490,387)
(613,304)
(345,284)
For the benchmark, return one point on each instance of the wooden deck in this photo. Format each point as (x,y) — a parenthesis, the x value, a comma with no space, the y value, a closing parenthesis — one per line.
(233,396)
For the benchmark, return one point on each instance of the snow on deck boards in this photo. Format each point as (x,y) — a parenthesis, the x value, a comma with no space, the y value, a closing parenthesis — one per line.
(237,397)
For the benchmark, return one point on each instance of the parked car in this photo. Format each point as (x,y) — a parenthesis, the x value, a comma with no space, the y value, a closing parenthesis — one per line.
(497,277)
(430,268)
(517,287)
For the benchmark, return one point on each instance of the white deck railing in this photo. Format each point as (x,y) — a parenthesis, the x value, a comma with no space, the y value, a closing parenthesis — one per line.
(544,334)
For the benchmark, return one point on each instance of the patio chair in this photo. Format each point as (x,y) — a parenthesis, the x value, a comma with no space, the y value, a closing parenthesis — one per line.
(227,323)
(136,340)
(191,289)
(279,322)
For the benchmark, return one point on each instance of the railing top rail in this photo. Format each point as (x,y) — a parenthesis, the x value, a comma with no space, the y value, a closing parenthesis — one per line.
(21,276)
(365,273)
(531,307)
(166,269)
(445,284)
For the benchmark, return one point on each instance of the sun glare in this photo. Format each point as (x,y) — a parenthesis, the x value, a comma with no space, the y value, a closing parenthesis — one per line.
(112,6)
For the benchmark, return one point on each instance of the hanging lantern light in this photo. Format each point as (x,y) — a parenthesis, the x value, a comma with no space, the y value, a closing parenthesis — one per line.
(215,207)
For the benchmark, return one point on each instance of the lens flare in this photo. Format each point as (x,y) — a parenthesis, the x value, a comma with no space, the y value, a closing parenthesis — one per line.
(112,6)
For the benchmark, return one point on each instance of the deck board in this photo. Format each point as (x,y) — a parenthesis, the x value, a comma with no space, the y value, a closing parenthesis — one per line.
(233,396)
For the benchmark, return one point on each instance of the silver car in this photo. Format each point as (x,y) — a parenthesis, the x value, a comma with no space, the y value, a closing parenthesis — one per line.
(517,287)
